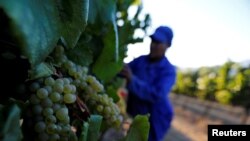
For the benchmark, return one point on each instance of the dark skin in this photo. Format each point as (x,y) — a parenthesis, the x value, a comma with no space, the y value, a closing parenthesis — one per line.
(157,51)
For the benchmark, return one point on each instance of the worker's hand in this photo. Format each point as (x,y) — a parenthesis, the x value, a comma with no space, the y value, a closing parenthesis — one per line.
(126,73)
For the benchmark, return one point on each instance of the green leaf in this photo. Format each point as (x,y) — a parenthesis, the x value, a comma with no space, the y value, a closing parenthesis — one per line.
(38,25)
(34,23)
(41,70)
(101,10)
(82,54)
(9,123)
(84,133)
(73,19)
(112,92)
(95,122)
(108,64)
(139,129)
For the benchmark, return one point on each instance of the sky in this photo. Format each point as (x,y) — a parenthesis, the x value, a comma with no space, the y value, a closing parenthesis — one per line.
(206,32)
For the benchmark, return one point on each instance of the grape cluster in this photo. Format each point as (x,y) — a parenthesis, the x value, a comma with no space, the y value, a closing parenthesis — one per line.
(90,89)
(49,99)
(51,96)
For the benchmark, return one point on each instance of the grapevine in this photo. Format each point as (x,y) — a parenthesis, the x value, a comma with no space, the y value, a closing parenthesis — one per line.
(55,95)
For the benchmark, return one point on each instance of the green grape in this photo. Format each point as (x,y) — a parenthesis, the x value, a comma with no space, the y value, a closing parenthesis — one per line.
(37,109)
(65,130)
(58,87)
(66,81)
(73,88)
(56,106)
(76,82)
(40,127)
(113,118)
(69,98)
(107,110)
(34,99)
(77,75)
(55,97)
(59,81)
(72,71)
(97,86)
(49,81)
(46,102)
(69,64)
(62,113)
(67,89)
(51,128)
(85,70)
(66,120)
(47,111)
(84,85)
(34,86)
(90,79)
(99,108)
(50,119)
(42,93)
(49,89)
(63,59)
(59,128)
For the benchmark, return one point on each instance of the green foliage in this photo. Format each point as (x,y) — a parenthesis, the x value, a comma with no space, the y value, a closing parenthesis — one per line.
(101,12)
(95,122)
(91,128)
(41,70)
(10,123)
(226,84)
(242,96)
(105,60)
(185,83)
(39,24)
(84,133)
(139,129)
(223,96)
(83,53)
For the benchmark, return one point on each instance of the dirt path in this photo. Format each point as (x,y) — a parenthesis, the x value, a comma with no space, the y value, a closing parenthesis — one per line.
(184,130)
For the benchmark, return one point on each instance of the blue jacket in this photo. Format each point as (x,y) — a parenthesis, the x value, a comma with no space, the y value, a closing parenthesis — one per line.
(148,93)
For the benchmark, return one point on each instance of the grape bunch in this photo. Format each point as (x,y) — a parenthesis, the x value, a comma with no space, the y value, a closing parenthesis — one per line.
(51,97)
(48,101)
(90,89)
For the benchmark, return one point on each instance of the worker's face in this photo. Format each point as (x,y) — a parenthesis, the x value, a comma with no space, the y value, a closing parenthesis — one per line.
(157,49)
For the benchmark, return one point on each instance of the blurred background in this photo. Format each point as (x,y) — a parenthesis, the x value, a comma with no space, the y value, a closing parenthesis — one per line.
(210,48)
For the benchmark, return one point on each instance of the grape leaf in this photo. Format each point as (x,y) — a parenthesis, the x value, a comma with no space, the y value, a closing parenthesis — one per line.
(9,123)
(38,25)
(103,14)
(84,133)
(73,19)
(82,54)
(41,70)
(107,65)
(101,10)
(95,122)
(35,25)
(139,129)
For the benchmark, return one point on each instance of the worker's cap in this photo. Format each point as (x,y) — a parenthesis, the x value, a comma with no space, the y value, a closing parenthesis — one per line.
(163,34)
